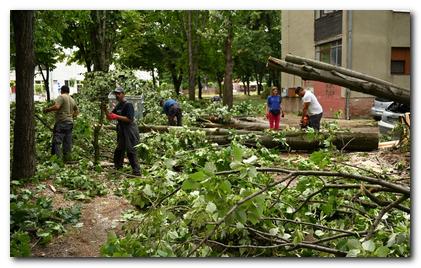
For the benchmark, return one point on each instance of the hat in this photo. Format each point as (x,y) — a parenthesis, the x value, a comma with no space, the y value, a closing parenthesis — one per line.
(118,90)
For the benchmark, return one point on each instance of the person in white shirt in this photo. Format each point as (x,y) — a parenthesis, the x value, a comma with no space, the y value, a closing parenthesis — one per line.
(311,107)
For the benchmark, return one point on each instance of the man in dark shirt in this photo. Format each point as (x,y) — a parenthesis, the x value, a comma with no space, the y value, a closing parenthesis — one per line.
(173,112)
(127,131)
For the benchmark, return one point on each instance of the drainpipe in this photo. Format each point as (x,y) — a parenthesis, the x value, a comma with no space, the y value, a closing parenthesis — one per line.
(348,64)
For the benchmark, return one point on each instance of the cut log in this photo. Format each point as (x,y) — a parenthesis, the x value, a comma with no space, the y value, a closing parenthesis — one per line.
(307,72)
(235,123)
(298,141)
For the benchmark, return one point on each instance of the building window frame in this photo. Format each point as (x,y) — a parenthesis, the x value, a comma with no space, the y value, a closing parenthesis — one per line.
(329,52)
(400,61)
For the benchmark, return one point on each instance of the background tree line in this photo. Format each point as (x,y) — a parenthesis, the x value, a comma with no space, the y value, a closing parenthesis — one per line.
(186,48)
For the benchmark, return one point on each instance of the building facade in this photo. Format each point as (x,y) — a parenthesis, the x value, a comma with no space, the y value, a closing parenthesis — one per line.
(374,42)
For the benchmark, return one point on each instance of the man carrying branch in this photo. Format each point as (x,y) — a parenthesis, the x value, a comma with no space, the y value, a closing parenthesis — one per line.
(311,107)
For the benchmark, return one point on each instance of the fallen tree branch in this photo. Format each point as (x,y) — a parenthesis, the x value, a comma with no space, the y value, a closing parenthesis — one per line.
(238,204)
(381,214)
(318,226)
(383,203)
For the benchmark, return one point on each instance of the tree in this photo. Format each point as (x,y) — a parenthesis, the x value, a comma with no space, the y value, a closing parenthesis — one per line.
(104,36)
(192,50)
(48,28)
(211,57)
(76,34)
(23,165)
(228,94)
(154,40)
(257,35)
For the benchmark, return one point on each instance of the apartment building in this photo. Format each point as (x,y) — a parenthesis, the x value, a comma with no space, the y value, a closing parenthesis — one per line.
(374,42)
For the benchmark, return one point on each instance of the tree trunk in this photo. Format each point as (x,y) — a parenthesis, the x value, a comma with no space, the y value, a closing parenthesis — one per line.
(228,94)
(102,41)
(153,78)
(199,84)
(339,69)
(45,80)
(176,78)
(24,153)
(191,56)
(300,141)
(248,85)
(102,45)
(219,86)
(259,80)
(309,73)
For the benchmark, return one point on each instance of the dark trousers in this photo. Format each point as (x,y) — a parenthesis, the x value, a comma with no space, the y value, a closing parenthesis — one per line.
(120,151)
(175,113)
(314,121)
(62,137)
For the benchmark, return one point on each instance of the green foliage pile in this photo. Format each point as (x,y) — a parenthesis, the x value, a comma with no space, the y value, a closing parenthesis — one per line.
(184,197)
(196,198)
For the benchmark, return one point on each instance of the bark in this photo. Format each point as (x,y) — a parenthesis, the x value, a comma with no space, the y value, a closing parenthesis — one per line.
(228,94)
(199,84)
(219,80)
(153,78)
(339,69)
(45,78)
(334,77)
(176,78)
(298,141)
(191,55)
(101,40)
(24,153)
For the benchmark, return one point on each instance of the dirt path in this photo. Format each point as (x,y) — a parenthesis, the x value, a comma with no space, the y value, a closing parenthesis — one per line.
(99,216)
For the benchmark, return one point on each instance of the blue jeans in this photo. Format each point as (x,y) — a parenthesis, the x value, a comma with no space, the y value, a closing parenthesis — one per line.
(175,112)
(62,136)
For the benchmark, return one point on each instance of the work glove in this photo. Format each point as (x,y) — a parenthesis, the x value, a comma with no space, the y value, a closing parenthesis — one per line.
(112,116)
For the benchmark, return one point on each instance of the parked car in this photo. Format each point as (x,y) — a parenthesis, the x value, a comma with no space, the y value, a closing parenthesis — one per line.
(391,115)
(379,105)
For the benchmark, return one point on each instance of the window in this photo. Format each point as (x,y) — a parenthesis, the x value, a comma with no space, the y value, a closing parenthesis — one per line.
(400,61)
(330,52)
(397,67)
(323,13)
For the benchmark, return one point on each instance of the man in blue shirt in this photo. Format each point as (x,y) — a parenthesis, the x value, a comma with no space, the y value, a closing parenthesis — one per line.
(173,112)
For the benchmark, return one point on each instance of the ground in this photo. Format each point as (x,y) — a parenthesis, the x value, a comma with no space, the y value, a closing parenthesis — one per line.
(98,217)
(102,215)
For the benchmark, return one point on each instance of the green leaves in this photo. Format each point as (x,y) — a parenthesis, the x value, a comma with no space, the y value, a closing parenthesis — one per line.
(211,208)
(369,245)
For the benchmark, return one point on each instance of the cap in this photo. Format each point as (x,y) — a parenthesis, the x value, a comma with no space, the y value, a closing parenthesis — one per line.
(118,90)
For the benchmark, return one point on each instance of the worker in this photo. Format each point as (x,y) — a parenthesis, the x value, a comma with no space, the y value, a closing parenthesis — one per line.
(66,110)
(127,131)
(311,107)
(173,111)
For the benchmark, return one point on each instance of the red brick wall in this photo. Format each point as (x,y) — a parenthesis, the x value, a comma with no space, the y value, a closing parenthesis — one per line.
(329,96)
